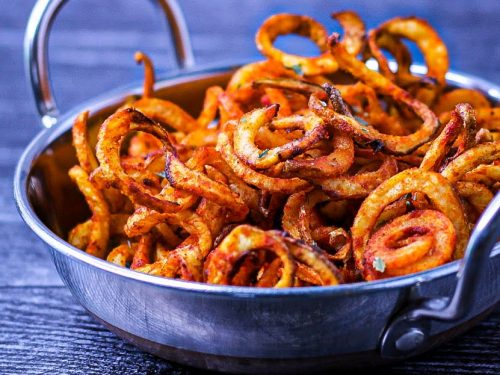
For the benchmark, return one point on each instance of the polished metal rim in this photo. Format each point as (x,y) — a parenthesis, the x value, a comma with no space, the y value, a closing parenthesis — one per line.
(44,138)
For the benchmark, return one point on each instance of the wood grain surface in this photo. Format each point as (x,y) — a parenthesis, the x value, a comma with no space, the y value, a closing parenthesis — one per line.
(42,328)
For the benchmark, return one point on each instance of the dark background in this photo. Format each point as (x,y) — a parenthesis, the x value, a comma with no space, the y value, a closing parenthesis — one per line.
(42,329)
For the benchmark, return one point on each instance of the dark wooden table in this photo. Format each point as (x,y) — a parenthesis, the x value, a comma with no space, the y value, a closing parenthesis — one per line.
(42,328)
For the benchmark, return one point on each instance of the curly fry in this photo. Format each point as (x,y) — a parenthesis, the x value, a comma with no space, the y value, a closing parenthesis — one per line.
(481,154)
(84,153)
(122,255)
(390,143)
(432,184)
(111,135)
(354,31)
(210,106)
(411,243)
(282,24)
(360,184)
(167,113)
(149,74)
(419,31)
(241,240)
(462,123)
(249,124)
(99,230)
(200,184)
(272,184)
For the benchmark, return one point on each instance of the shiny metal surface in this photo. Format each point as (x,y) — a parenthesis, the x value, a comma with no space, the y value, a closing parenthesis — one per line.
(36,48)
(319,325)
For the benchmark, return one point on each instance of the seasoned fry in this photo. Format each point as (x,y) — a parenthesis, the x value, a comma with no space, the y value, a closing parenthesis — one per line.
(419,31)
(411,243)
(244,137)
(301,171)
(98,235)
(149,74)
(241,240)
(282,24)
(365,133)
(84,153)
(433,185)
(354,31)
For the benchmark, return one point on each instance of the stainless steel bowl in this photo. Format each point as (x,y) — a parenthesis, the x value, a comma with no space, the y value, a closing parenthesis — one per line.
(240,329)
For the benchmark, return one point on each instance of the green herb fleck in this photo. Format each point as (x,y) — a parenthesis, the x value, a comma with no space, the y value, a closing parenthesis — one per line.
(297,68)
(379,264)
(364,130)
(161,174)
(409,206)
(263,153)
(361,121)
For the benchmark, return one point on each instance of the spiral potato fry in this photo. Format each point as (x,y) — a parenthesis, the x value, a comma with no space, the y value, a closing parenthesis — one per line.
(302,171)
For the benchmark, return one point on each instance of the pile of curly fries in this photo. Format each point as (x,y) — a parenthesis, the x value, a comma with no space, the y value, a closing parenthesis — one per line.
(302,171)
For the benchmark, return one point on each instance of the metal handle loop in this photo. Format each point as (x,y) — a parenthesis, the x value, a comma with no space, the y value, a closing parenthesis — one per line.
(407,333)
(36,50)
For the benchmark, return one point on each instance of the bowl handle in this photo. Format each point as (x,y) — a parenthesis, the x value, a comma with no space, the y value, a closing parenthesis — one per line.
(408,333)
(36,56)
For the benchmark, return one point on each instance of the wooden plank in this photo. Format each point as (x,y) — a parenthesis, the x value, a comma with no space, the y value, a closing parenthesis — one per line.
(43,329)
(24,258)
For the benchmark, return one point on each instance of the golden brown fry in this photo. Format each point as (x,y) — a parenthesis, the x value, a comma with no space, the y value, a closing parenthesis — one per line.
(354,31)
(123,254)
(149,73)
(249,124)
(251,177)
(167,113)
(111,135)
(240,241)
(210,106)
(450,99)
(476,194)
(426,38)
(433,185)
(481,154)
(311,257)
(283,24)
(99,230)
(360,184)
(462,123)
(195,182)
(411,243)
(84,153)
(365,133)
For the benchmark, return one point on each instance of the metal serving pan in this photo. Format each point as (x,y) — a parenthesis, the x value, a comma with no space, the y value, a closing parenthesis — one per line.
(239,329)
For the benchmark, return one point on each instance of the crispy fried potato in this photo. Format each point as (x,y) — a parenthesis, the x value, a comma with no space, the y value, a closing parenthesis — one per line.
(426,38)
(293,176)
(432,184)
(248,126)
(410,243)
(240,241)
(98,235)
(283,24)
